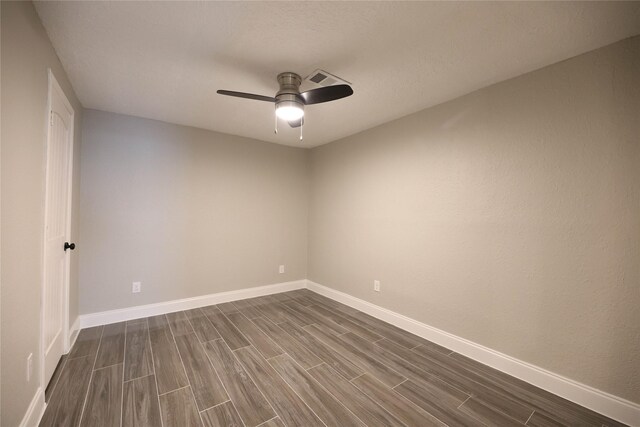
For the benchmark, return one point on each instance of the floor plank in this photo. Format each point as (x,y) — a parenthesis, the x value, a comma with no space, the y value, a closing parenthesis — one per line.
(104,400)
(178,409)
(301,354)
(204,329)
(486,415)
(323,404)
(179,323)
(137,359)
(275,422)
(261,341)
(55,377)
(248,400)
(227,308)
(392,333)
(140,403)
(394,403)
(111,349)
(232,336)
(87,343)
(287,404)
(203,379)
(437,402)
(65,406)
(345,323)
(541,420)
(350,396)
(168,367)
(313,317)
(359,358)
(274,312)
(224,415)
(328,355)
(245,307)
(301,297)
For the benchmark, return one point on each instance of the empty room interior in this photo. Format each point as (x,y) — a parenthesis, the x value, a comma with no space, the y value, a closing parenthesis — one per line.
(320,213)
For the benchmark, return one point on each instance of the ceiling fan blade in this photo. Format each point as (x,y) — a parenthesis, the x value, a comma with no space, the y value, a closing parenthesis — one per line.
(296,123)
(326,94)
(247,95)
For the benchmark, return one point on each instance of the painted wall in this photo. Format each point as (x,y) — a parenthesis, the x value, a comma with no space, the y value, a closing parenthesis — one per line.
(185,211)
(26,56)
(509,216)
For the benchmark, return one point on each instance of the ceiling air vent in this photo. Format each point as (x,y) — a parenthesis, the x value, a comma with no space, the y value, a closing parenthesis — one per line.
(322,78)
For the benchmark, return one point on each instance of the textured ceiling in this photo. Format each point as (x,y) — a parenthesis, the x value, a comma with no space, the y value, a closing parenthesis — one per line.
(165,60)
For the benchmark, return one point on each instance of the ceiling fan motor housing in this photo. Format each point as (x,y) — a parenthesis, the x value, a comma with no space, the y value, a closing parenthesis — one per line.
(289,93)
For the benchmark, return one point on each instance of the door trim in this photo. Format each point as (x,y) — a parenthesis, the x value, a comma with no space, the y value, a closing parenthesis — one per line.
(54,86)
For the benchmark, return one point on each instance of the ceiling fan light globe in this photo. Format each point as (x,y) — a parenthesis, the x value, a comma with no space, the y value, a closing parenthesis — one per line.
(289,111)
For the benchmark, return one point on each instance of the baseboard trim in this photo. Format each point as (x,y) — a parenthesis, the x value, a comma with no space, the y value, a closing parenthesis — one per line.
(130,313)
(74,330)
(612,406)
(35,411)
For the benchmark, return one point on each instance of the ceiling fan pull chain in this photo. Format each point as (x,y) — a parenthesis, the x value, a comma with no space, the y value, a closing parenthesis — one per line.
(276,126)
(301,124)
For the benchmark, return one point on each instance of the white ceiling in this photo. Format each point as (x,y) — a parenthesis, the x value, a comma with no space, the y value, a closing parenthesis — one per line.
(165,60)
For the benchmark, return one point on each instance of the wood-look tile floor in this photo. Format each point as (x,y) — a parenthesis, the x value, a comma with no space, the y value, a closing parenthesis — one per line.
(290,359)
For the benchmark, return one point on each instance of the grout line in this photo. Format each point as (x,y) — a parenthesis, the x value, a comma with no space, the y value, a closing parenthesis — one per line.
(206,354)
(270,419)
(336,397)
(525,423)
(240,348)
(246,371)
(315,366)
(294,390)
(400,383)
(95,359)
(153,366)
(217,404)
(184,369)
(171,391)
(122,388)
(109,366)
(465,401)
(137,378)
(355,378)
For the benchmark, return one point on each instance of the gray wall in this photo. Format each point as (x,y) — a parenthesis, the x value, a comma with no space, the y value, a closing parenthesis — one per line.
(509,216)
(26,55)
(185,211)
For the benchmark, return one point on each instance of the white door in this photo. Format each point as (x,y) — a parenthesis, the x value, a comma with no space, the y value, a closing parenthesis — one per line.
(57,227)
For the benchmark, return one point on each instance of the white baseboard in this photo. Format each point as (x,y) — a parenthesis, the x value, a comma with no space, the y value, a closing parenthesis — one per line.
(74,330)
(35,411)
(130,313)
(607,404)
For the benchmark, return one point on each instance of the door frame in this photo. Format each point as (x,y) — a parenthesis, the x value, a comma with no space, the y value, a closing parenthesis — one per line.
(54,87)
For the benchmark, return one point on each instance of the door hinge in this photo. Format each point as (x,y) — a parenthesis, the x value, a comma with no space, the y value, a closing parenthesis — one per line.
(51,118)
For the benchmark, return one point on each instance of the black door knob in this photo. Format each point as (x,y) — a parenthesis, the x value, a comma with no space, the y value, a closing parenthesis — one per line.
(68,245)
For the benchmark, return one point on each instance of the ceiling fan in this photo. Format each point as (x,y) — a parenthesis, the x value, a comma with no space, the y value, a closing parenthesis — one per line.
(290,101)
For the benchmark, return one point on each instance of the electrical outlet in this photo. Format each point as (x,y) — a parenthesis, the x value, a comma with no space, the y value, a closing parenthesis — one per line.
(29,366)
(376,285)
(136,287)
(281,269)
